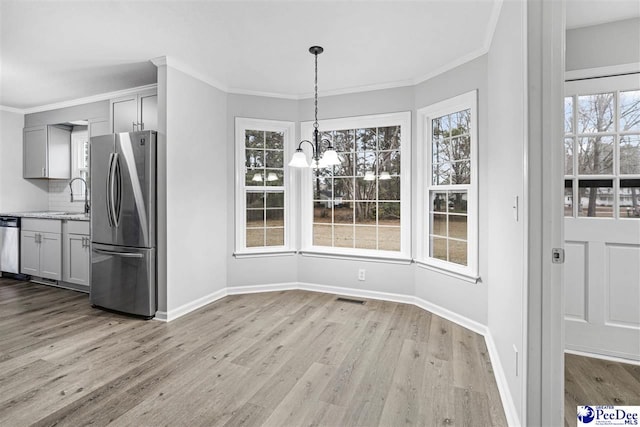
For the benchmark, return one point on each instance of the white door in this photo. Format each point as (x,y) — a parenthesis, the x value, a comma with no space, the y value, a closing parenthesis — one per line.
(602,216)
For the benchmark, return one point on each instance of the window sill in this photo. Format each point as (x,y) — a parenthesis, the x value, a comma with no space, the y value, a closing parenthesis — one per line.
(461,276)
(241,255)
(391,259)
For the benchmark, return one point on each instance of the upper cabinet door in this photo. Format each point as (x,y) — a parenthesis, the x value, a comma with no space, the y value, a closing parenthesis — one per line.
(148,110)
(47,152)
(124,114)
(59,152)
(35,152)
(135,112)
(99,127)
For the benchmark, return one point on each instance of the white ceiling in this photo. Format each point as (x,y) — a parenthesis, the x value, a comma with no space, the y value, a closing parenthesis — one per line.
(54,51)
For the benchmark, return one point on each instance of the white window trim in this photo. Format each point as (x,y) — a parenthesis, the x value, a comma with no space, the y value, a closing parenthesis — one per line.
(403,119)
(465,101)
(77,141)
(242,124)
(593,86)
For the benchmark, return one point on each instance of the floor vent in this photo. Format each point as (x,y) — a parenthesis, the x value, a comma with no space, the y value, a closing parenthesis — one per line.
(350,300)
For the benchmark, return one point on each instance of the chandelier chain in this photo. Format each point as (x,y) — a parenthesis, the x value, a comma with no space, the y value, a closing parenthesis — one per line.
(315,124)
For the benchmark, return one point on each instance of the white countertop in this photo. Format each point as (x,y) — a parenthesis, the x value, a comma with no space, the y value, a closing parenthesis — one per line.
(74,216)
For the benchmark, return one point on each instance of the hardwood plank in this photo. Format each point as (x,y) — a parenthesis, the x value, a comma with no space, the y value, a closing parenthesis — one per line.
(404,397)
(303,397)
(466,360)
(440,339)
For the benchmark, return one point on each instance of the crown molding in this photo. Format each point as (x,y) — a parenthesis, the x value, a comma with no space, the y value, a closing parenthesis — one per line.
(176,64)
(81,101)
(11,109)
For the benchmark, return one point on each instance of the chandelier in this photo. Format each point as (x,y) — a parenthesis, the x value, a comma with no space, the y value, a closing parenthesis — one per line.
(329,157)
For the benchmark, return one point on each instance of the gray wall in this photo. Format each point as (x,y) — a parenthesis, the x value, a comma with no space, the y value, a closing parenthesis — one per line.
(94,110)
(467,299)
(271,270)
(17,193)
(505,180)
(603,45)
(196,189)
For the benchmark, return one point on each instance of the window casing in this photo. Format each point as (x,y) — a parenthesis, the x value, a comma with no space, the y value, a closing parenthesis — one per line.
(79,161)
(602,148)
(263,220)
(448,186)
(361,207)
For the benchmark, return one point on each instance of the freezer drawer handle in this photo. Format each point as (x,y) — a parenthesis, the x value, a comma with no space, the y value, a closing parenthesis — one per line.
(122,254)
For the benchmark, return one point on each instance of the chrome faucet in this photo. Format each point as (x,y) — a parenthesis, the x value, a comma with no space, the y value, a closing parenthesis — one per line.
(86,194)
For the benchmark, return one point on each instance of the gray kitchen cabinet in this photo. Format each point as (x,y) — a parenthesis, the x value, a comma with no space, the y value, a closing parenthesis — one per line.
(29,253)
(47,152)
(99,127)
(135,112)
(41,248)
(76,253)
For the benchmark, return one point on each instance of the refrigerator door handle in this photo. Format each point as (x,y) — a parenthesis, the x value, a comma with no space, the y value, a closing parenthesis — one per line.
(121,254)
(112,189)
(108,192)
(118,184)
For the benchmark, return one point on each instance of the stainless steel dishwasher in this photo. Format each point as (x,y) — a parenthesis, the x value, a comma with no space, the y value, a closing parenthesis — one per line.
(10,244)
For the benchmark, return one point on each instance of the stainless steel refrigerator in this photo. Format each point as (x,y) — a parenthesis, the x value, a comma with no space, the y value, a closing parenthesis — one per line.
(123,222)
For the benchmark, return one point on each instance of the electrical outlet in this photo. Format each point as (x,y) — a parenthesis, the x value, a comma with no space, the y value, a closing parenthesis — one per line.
(361,274)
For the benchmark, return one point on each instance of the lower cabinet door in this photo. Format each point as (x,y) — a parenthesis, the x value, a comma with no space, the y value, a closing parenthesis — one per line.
(29,253)
(77,259)
(51,256)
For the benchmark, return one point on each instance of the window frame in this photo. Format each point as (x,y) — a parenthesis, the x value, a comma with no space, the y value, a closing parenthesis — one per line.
(594,86)
(79,139)
(402,119)
(242,124)
(425,115)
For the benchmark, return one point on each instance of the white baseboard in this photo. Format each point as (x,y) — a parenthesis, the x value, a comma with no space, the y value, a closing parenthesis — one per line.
(618,359)
(508,405)
(359,293)
(190,306)
(254,289)
(463,321)
(507,402)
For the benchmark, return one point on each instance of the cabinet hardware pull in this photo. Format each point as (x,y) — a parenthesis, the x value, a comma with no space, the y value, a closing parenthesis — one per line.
(44,172)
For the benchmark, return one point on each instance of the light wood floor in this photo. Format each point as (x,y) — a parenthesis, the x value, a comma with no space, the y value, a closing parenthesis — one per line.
(291,358)
(590,381)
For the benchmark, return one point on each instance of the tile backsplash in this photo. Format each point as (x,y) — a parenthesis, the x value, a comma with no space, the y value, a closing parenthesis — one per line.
(60,197)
